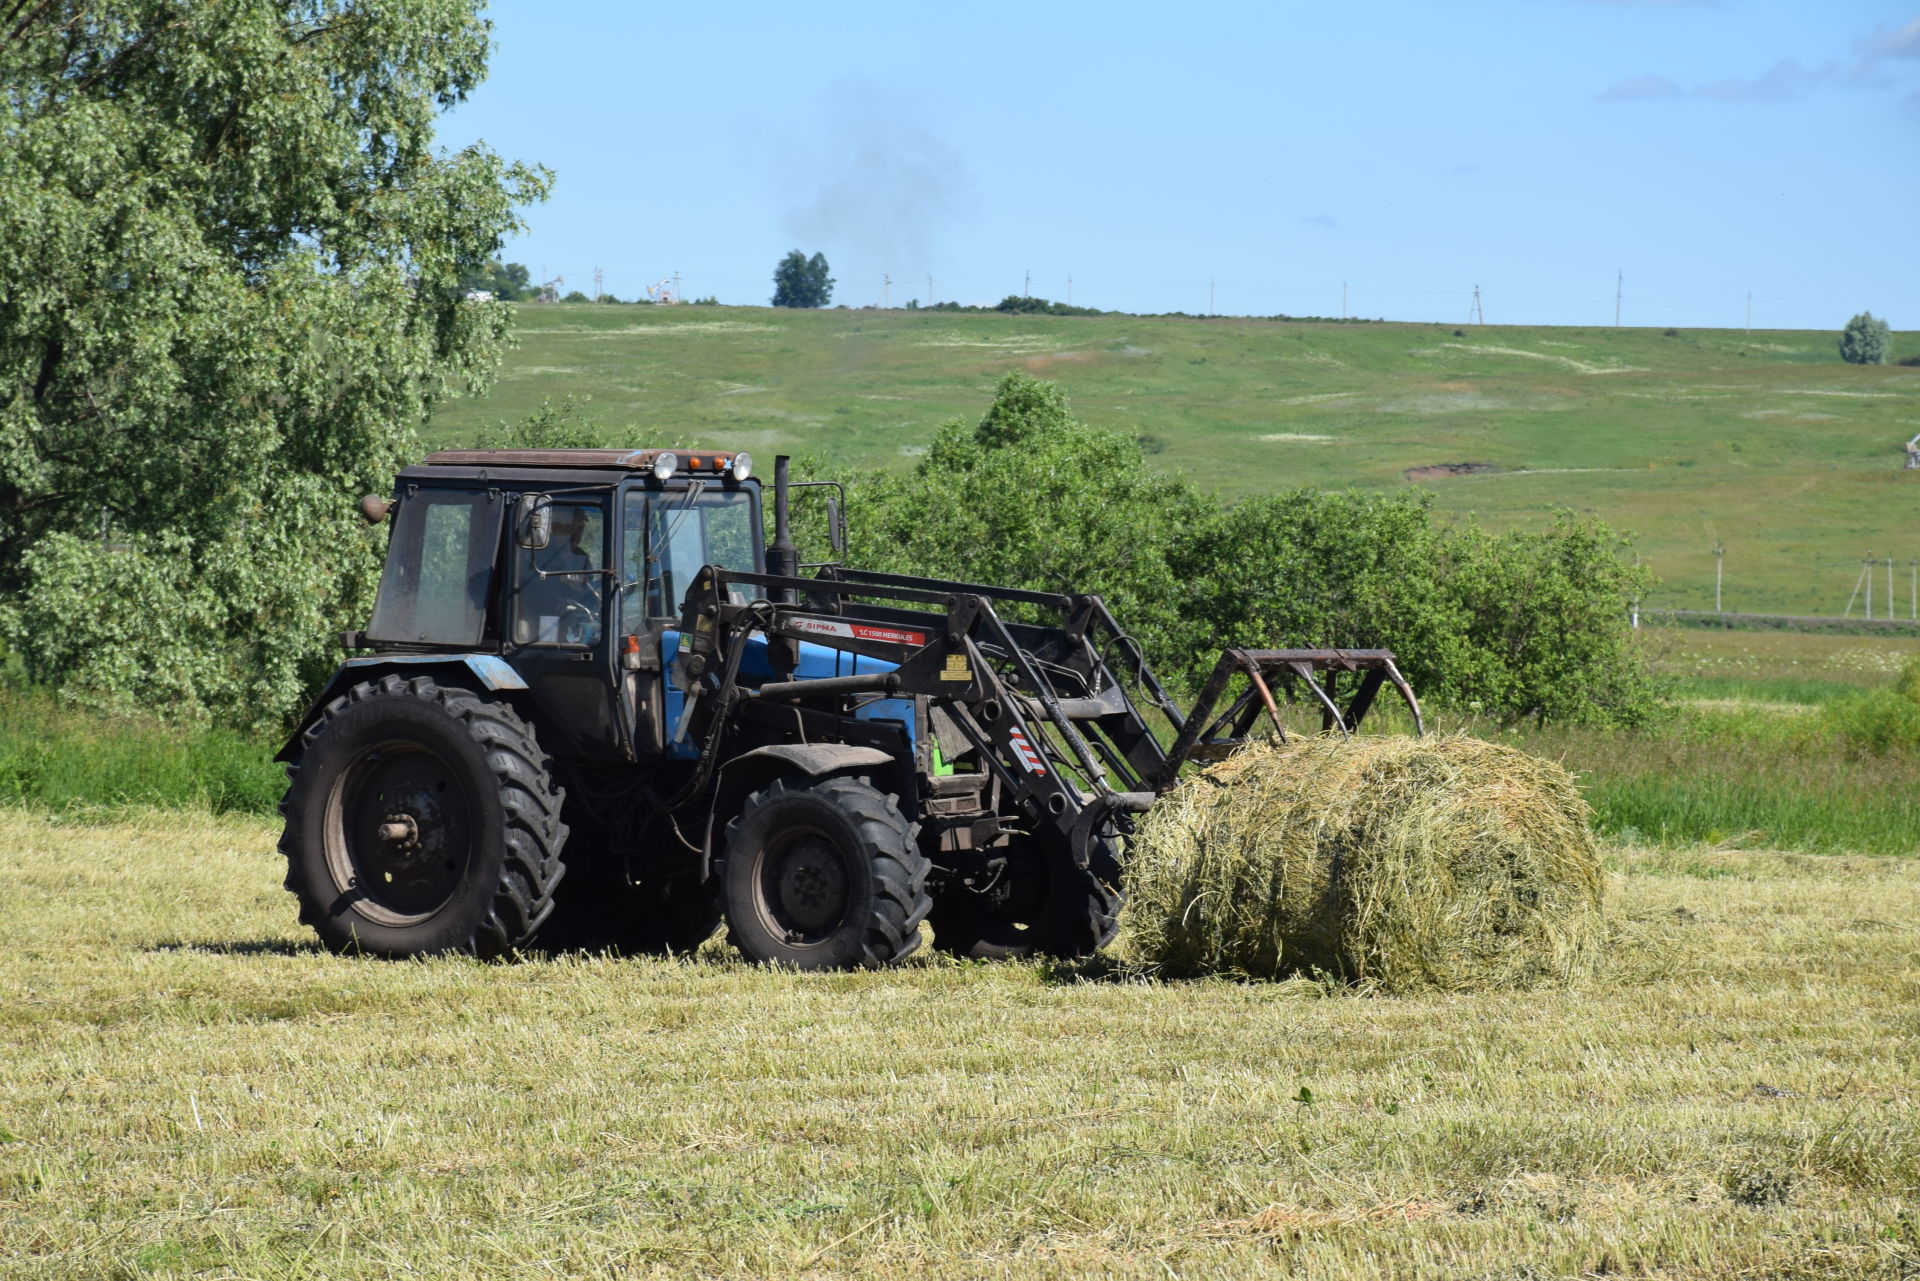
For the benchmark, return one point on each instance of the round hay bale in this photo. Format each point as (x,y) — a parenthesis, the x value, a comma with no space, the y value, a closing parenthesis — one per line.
(1408,863)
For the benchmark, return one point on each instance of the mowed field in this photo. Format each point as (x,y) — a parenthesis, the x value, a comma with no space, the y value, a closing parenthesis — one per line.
(191,1089)
(1767,441)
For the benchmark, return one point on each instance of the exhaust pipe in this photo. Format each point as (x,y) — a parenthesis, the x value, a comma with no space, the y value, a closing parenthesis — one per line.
(783,557)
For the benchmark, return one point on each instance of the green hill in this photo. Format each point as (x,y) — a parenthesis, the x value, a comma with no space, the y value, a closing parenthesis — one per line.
(1765,441)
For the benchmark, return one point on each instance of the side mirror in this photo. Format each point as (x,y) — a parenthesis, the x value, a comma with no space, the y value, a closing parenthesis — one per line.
(533,522)
(836,526)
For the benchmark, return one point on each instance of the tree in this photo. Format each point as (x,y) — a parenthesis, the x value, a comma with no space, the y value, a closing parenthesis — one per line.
(507,282)
(1031,497)
(1864,340)
(230,270)
(800,281)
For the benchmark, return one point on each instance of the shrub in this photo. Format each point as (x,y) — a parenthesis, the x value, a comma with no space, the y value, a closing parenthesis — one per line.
(1881,722)
(1514,626)
(1864,340)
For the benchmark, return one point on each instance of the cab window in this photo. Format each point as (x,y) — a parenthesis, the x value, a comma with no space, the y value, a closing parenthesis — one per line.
(557,589)
(439,568)
(669,536)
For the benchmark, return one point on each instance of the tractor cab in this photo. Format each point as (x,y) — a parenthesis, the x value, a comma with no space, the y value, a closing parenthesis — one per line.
(568,567)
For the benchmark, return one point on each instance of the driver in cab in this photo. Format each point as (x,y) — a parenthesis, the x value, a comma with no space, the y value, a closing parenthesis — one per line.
(561,604)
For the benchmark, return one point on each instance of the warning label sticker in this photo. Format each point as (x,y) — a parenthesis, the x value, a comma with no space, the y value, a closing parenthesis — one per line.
(857,631)
(1024,753)
(956,669)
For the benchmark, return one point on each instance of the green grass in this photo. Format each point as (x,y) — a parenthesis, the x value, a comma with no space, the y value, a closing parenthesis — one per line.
(193,1090)
(62,758)
(1766,441)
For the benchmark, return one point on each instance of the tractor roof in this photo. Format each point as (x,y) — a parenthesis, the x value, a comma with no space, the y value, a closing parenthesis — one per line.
(693,460)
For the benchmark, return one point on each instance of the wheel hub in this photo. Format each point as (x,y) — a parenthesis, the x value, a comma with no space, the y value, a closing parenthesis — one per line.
(405,832)
(812,886)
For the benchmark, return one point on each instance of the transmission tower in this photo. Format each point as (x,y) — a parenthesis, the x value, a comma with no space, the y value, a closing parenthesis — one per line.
(599,284)
(1619,291)
(1476,316)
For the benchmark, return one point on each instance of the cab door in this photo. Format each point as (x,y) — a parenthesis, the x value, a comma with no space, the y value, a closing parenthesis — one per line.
(558,630)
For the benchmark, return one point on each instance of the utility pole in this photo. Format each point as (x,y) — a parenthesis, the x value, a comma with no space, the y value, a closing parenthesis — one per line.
(1749,328)
(1719,562)
(599,286)
(1619,291)
(929,289)
(1889,589)
(886,289)
(1209,297)
(1343,300)
(1866,576)
(1069,289)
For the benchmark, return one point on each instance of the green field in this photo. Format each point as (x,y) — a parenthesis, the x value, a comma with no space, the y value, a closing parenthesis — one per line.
(1765,441)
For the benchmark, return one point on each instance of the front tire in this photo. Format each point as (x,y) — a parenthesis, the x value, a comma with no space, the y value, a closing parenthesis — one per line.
(420,820)
(824,875)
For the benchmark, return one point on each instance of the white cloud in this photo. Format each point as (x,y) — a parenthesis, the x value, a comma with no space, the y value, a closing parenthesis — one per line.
(1786,79)
(1882,43)
(1783,81)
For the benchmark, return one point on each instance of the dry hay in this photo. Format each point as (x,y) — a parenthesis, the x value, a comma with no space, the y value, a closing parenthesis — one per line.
(1436,863)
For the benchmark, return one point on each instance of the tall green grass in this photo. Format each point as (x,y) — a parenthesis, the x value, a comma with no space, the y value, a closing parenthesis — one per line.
(1749,777)
(57,757)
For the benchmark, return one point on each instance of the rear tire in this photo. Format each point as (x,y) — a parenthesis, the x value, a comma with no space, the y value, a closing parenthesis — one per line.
(824,874)
(1050,908)
(420,819)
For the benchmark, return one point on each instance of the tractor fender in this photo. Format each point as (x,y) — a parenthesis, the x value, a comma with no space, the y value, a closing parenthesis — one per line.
(488,671)
(750,771)
(815,759)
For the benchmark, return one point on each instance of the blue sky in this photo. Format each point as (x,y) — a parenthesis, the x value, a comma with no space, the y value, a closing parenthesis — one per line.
(1266,151)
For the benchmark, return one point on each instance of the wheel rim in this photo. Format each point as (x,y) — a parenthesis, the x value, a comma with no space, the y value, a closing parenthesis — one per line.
(400,828)
(806,888)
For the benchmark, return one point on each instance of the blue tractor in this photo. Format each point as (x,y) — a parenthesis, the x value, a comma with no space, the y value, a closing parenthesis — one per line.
(595,708)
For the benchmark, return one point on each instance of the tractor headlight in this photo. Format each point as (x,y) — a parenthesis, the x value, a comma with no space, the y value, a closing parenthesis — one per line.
(664,465)
(742,465)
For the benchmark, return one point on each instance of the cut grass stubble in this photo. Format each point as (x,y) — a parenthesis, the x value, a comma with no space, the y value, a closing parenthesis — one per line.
(192,1087)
